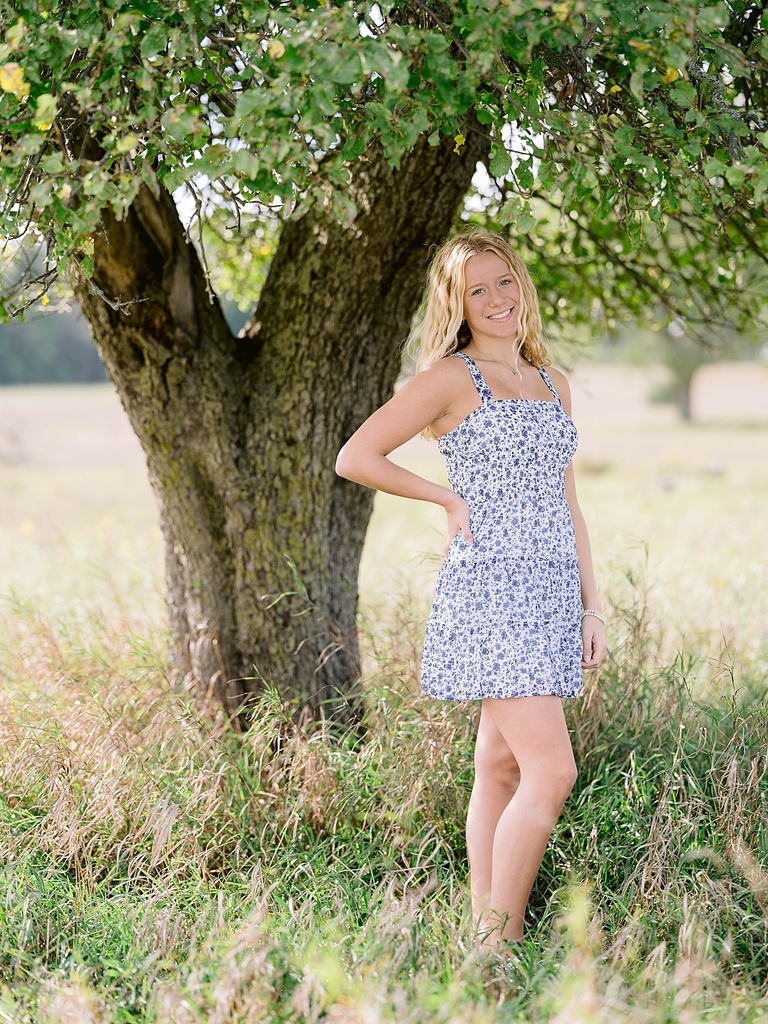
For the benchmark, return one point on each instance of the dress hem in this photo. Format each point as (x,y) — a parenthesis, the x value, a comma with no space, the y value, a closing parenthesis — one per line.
(506,696)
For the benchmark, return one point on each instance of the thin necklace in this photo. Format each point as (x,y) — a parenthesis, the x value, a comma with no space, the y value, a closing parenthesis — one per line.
(514,370)
(501,362)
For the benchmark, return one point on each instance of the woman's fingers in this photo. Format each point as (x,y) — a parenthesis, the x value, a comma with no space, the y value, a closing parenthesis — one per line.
(593,643)
(466,536)
(458,523)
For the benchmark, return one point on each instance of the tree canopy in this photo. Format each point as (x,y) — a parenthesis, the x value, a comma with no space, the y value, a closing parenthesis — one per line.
(627,139)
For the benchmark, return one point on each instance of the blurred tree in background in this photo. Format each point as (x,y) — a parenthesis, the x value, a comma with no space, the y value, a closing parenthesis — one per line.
(50,351)
(306,155)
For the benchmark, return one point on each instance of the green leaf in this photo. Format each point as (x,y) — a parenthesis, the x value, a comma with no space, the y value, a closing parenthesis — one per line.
(14,36)
(126,143)
(715,168)
(250,102)
(40,194)
(45,111)
(710,17)
(323,99)
(524,174)
(517,213)
(683,94)
(355,145)
(501,162)
(636,86)
(154,41)
(182,124)
(347,70)
(29,145)
(52,163)
(760,186)
(525,222)
(735,176)
(623,142)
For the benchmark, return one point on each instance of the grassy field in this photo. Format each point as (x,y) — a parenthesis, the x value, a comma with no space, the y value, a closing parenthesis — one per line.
(157,868)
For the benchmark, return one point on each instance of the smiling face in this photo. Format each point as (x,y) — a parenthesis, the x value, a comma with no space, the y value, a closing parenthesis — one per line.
(491,298)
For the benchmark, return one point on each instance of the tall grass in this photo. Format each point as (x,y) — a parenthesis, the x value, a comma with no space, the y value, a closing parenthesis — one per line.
(156,867)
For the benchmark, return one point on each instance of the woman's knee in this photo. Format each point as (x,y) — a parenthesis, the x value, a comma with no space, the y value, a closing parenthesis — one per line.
(569,776)
(560,778)
(495,764)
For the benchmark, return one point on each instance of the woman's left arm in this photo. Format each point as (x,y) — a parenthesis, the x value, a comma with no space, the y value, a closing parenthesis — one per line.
(592,629)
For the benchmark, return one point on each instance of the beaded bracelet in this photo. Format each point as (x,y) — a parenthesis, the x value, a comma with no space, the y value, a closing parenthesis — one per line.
(591,611)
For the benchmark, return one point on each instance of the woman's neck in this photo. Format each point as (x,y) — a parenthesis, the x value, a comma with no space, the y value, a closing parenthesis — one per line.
(496,350)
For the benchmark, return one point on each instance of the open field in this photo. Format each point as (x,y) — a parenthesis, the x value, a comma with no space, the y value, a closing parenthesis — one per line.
(157,869)
(686,505)
(682,508)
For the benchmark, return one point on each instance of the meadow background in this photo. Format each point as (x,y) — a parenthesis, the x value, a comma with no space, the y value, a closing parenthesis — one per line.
(156,867)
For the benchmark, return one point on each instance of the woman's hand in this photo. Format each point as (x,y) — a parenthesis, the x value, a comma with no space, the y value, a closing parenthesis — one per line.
(593,645)
(457,511)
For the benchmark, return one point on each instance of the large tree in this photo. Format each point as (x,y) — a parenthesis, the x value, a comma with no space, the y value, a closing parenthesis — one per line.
(624,147)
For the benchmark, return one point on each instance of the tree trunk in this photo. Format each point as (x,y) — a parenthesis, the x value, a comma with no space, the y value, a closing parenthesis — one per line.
(684,394)
(263,541)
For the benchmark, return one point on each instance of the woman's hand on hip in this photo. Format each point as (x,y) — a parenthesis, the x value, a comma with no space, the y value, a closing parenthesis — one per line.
(457,511)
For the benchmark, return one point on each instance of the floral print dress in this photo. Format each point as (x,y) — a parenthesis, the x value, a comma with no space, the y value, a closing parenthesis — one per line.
(506,615)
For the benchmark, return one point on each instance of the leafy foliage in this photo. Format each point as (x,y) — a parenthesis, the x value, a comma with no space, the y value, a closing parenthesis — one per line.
(628,139)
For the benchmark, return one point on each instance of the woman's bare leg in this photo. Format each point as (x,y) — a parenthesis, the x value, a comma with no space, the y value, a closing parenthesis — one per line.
(534,731)
(496,779)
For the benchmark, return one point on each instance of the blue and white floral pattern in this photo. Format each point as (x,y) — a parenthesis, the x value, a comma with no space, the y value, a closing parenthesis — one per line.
(506,616)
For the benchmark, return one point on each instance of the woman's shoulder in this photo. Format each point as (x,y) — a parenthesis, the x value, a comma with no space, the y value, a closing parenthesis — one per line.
(446,372)
(557,377)
(432,392)
(560,384)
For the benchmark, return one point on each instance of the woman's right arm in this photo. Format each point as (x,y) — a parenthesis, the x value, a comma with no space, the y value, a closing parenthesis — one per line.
(424,400)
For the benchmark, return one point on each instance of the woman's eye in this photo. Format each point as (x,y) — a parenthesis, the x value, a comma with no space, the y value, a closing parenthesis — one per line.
(507,280)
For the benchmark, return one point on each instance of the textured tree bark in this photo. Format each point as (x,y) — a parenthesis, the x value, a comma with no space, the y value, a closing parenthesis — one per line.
(263,541)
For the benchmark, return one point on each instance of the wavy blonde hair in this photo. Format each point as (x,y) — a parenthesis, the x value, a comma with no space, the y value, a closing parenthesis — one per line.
(440,328)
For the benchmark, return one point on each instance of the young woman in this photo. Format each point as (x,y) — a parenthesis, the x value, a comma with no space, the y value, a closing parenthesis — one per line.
(516,614)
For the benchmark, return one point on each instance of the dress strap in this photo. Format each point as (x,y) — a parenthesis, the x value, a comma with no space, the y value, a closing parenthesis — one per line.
(550,385)
(483,390)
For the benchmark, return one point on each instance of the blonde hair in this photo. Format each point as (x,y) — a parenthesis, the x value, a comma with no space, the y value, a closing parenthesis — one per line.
(440,328)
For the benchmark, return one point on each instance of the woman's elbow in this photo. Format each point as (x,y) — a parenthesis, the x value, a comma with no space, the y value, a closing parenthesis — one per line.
(345,463)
